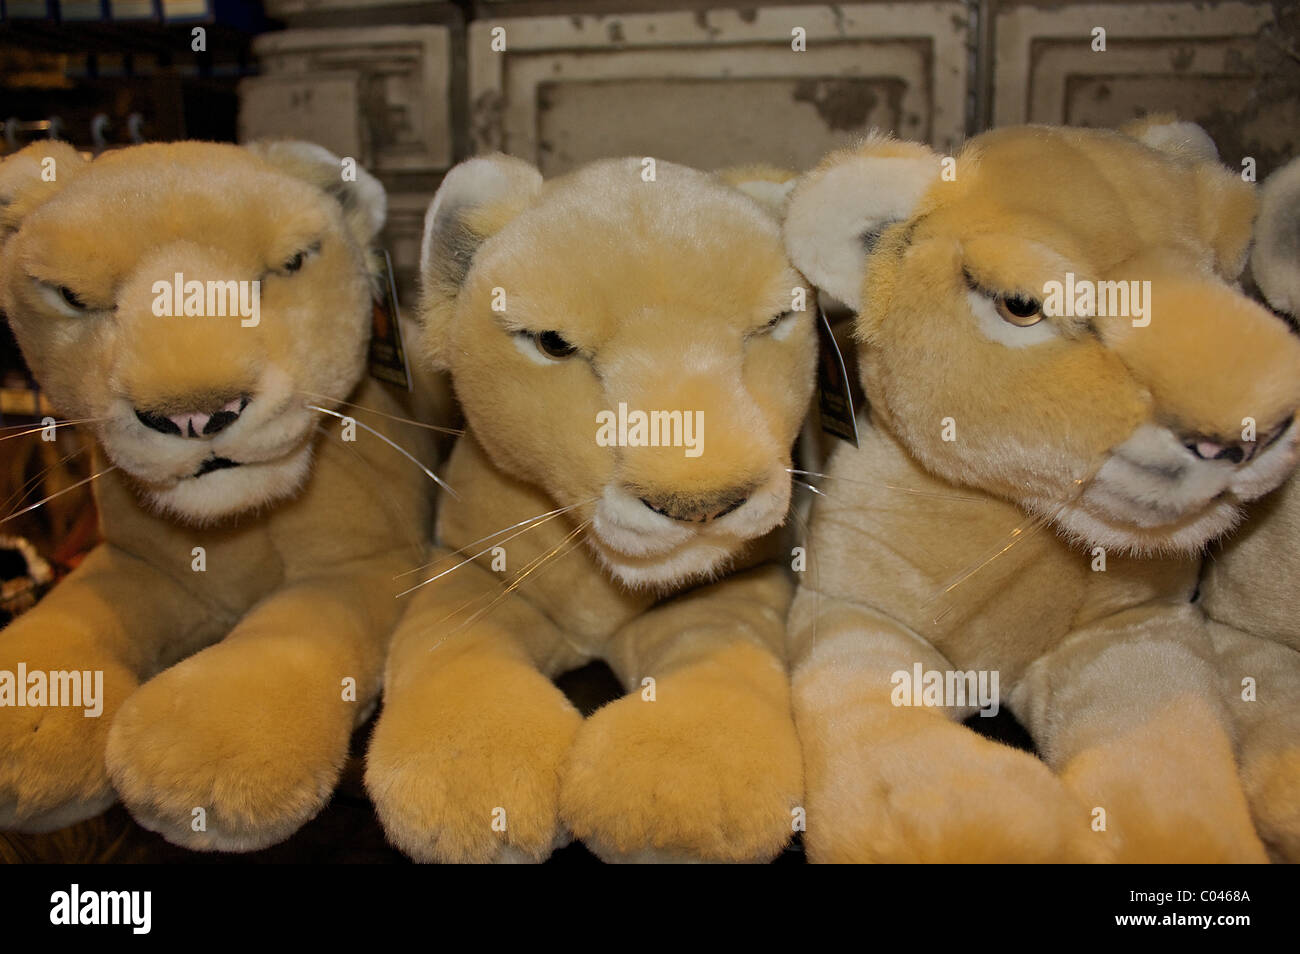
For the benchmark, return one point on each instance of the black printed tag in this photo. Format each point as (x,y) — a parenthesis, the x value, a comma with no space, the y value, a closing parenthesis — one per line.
(834,399)
(387,356)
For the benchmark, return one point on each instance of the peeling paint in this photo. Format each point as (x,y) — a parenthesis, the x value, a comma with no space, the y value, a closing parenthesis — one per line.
(485,121)
(702,21)
(841,104)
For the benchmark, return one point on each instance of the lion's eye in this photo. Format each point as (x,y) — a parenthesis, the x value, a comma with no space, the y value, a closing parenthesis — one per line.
(299,258)
(778,326)
(72,298)
(553,345)
(1019,310)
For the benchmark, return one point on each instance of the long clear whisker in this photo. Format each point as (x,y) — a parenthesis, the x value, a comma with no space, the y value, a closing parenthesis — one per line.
(561,549)
(938,494)
(403,518)
(808,554)
(18,495)
(366,427)
(1027,528)
(38,428)
(41,503)
(817,490)
(392,417)
(495,533)
(523,571)
(471,559)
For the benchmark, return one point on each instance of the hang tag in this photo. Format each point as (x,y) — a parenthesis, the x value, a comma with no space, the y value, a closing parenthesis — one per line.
(834,399)
(387,356)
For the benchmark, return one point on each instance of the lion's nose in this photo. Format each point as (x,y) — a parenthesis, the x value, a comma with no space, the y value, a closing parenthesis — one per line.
(1233,451)
(697,508)
(194,423)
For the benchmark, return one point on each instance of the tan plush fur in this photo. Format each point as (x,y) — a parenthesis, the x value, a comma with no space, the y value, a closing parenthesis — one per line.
(224,688)
(1248,587)
(999,464)
(677,295)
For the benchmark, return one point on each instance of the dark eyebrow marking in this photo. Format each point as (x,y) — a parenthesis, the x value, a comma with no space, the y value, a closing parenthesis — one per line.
(870,237)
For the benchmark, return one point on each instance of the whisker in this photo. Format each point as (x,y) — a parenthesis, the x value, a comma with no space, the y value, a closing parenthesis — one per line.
(817,490)
(1027,528)
(404,518)
(522,571)
(37,428)
(41,503)
(474,543)
(534,522)
(392,417)
(80,420)
(536,564)
(471,559)
(366,427)
(32,481)
(808,551)
(938,494)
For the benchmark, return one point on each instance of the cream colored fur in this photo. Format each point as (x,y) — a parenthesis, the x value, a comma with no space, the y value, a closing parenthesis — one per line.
(677,295)
(1248,587)
(227,717)
(928,550)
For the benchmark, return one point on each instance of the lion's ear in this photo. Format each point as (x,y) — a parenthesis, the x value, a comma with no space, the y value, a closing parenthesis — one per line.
(1275,259)
(1167,133)
(31,176)
(837,211)
(1225,204)
(476,199)
(365,205)
(769,186)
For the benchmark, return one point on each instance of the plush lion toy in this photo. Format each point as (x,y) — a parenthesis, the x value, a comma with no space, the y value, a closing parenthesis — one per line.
(1249,584)
(1038,473)
(634,356)
(233,623)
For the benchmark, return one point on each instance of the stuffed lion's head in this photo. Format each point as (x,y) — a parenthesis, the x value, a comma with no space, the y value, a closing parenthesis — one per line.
(563,309)
(1140,422)
(200,400)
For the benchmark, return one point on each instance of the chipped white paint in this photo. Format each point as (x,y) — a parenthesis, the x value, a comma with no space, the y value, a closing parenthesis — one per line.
(405,68)
(1043,55)
(323,108)
(690,80)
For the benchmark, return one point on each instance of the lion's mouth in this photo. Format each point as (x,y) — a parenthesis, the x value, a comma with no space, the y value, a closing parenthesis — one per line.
(215,463)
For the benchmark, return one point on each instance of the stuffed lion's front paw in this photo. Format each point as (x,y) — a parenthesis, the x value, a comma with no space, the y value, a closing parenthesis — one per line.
(52,771)
(228,761)
(464,767)
(882,790)
(708,771)
(1272,782)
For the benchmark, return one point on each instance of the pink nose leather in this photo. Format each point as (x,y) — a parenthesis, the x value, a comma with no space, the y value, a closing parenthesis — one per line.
(192,423)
